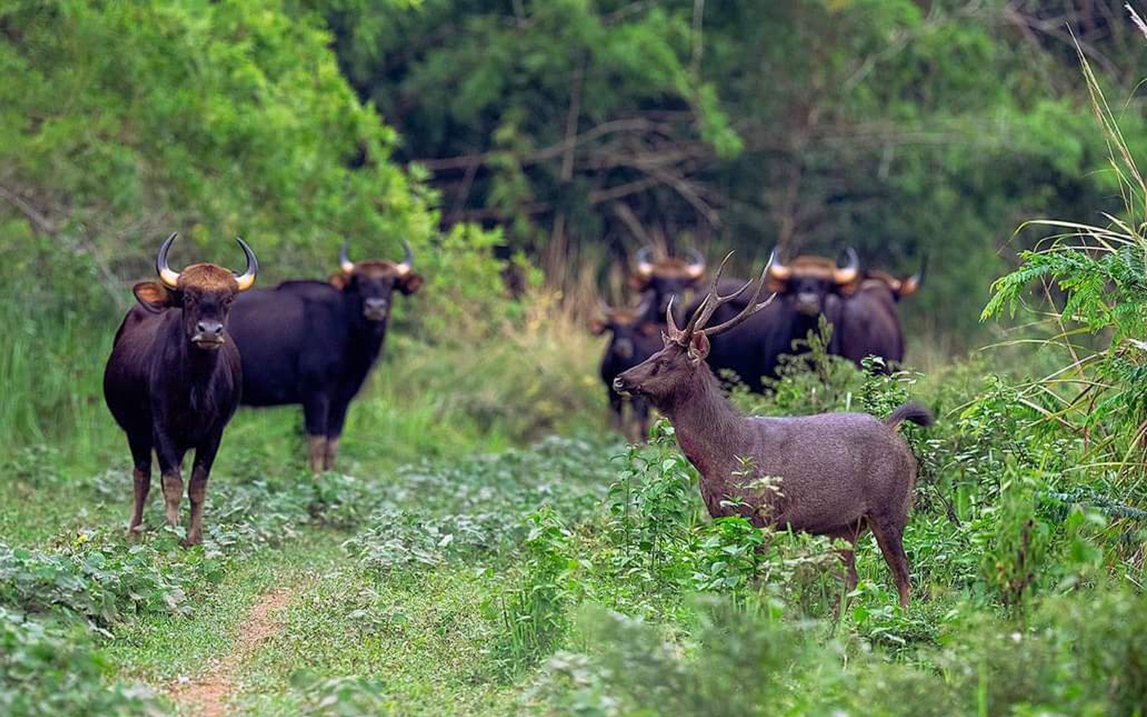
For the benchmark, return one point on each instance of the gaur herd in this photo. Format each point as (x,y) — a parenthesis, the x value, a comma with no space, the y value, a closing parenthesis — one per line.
(201,342)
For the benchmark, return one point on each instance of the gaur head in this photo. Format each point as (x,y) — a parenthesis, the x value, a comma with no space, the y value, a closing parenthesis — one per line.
(898,288)
(666,279)
(809,280)
(627,326)
(369,284)
(670,375)
(204,292)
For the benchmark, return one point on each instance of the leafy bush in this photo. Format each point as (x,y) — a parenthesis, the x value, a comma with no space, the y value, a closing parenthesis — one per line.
(47,670)
(1080,655)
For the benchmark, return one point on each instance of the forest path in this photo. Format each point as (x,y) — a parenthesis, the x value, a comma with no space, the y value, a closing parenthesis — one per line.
(209,694)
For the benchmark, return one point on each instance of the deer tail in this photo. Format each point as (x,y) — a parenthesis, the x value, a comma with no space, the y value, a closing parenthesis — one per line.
(913,412)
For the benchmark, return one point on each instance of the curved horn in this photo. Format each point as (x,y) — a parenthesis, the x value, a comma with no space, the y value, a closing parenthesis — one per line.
(407,259)
(776,269)
(696,268)
(345,263)
(604,308)
(848,273)
(247,279)
(912,284)
(644,263)
(169,278)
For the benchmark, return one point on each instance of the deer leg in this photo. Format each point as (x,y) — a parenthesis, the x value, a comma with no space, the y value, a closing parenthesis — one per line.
(848,556)
(141,478)
(890,539)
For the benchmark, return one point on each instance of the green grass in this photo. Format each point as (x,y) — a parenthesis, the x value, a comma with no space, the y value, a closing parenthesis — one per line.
(456,566)
(158,649)
(423,640)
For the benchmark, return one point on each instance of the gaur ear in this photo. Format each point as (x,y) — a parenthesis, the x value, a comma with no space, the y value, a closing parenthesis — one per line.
(847,289)
(153,296)
(649,329)
(638,282)
(409,284)
(339,280)
(597,327)
(776,286)
(698,347)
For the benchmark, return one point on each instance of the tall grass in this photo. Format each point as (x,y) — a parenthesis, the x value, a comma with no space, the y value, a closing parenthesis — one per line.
(508,384)
(52,369)
(1094,283)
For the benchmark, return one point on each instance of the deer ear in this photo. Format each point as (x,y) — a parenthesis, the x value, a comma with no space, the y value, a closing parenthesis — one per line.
(698,347)
(153,296)
(597,327)
(340,280)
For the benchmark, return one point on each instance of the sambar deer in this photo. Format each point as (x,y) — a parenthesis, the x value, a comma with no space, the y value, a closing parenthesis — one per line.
(840,473)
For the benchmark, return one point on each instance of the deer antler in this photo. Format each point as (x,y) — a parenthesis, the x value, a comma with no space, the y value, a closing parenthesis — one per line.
(713,301)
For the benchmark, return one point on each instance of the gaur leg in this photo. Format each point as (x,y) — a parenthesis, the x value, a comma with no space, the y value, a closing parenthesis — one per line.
(141,476)
(170,467)
(197,490)
(316,413)
(335,422)
(889,536)
(616,407)
(641,418)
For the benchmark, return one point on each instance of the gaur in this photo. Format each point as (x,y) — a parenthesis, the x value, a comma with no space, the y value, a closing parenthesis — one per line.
(314,343)
(869,323)
(664,280)
(173,379)
(633,338)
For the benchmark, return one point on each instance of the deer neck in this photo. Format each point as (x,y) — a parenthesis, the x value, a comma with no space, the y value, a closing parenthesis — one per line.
(709,430)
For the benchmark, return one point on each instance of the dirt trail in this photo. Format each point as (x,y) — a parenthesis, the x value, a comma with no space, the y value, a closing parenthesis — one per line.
(208,694)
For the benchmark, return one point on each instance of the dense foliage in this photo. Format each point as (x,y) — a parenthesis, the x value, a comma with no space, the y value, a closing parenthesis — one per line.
(486,550)
(899,127)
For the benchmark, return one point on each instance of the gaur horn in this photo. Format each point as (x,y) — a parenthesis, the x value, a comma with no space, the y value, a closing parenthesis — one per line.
(777,270)
(912,283)
(604,309)
(696,268)
(345,263)
(644,263)
(848,273)
(407,260)
(169,278)
(247,279)
(645,305)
